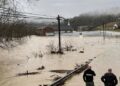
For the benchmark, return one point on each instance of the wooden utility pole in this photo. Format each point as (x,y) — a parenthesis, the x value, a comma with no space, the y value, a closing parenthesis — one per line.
(59,35)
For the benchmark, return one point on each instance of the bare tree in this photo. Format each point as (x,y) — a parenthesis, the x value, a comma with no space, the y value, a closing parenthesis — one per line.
(11,24)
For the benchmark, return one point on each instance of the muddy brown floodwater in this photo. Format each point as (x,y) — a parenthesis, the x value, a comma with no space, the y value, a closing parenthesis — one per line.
(27,58)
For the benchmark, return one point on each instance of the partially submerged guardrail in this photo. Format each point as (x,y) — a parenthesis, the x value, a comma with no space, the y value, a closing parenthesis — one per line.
(77,70)
(62,80)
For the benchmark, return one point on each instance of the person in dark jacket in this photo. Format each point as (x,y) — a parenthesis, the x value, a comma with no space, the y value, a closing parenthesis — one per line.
(109,79)
(88,76)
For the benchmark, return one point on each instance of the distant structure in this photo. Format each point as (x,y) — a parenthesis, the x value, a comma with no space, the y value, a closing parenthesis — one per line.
(84,28)
(64,28)
(115,26)
(51,30)
(68,23)
(45,31)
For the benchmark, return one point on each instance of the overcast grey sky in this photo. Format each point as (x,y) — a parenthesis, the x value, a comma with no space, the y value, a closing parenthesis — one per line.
(66,8)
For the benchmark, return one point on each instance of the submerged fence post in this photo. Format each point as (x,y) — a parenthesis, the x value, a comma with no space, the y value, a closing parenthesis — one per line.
(104,32)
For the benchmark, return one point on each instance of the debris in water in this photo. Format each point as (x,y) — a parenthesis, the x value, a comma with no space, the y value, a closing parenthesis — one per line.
(57,52)
(41,68)
(74,49)
(90,59)
(18,64)
(28,57)
(40,55)
(53,52)
(27,73)
(87,62)
(77,65)
(43,85)
(82,51)
(60,71)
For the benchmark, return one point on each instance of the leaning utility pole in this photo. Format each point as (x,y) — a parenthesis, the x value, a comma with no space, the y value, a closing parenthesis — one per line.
(59,35)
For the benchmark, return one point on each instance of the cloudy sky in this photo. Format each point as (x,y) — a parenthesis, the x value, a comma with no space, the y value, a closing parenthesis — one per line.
(66,8)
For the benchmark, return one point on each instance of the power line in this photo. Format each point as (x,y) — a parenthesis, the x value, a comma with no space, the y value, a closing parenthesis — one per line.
(27,15)
(31,14)
(22,15)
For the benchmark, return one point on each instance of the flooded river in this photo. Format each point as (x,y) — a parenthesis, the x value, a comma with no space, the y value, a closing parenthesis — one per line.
(34,53)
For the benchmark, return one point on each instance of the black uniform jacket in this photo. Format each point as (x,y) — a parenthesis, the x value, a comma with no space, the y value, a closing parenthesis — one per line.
(109,79)
(88,75)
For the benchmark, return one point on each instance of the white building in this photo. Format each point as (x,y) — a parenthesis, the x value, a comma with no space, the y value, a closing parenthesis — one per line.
(115,26)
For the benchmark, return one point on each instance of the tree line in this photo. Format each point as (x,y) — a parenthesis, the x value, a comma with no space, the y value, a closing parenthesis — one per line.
(92,20)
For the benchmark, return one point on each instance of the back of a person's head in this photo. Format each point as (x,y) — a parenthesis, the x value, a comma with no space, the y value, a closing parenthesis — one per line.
(89,67)
(109,70)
